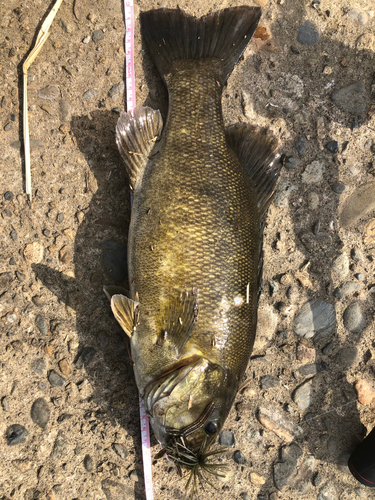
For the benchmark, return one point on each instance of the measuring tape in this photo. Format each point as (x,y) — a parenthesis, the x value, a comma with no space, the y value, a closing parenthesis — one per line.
(130,105)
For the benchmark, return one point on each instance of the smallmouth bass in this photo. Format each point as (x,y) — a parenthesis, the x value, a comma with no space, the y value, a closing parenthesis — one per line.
(195,238)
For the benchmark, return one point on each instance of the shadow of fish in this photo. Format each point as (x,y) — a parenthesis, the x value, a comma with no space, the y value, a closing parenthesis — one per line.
(195,239)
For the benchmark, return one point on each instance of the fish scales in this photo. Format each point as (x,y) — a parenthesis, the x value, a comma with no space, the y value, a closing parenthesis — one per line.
(195,239)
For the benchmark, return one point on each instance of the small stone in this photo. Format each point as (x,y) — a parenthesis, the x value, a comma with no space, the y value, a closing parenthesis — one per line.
(310,369)
(86,40)
(346,289)
(359,276)
(317,479)
(33,252)
(69,233)
(346,357)
(46,232)
(284,470)
(275,421)
(257,479)
(327,492)
(333,146)
(354,319)
(301,145)
(308,34)
(227,439)
(366,42)
(291,163)
(120,450)
(117,90)
(16,434)
(41,324)
(8,127)
(64,367)
(38,300)
(14,235)
(88,463)
(369,234)
(245,496)
(340,266)
(239,458)
(313,200)
(55,379)
(134,476)
(50,92)
(90,94)
(65,254)
(304,353)
(342,462)
(338,187)
(365,391)
(269,381)
(360,203)
(315,317)
(33,144)
(351,99)
(9,196)
(266,327)
(40,412)
(61,447)
(22,465)
(5,403)
(60,217)
(65,109)
(302,396)
(313,172)
(39,366)
(97,36)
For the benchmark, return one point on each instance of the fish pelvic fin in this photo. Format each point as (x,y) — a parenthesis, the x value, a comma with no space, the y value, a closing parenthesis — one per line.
(136,134)
(172,35)
(124,309)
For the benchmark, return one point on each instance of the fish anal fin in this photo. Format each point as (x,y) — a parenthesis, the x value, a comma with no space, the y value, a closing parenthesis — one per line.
(179,320)
(136,133)
(124,310)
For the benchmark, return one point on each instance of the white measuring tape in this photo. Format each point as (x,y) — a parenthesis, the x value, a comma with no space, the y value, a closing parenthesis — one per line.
(130,105)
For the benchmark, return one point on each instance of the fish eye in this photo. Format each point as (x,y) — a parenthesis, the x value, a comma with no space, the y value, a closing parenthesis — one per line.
(211,428)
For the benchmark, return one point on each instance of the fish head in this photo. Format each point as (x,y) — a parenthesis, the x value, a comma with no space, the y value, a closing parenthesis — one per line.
(189,406)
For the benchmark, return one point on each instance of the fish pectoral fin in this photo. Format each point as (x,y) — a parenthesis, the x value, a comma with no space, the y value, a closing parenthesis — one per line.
(136,133)
(180,318)
(124,310)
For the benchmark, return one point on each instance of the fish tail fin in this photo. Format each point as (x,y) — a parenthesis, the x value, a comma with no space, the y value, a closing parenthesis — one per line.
(172,35)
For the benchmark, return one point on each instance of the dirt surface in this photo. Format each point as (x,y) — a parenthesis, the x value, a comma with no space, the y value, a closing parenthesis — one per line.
(65,372)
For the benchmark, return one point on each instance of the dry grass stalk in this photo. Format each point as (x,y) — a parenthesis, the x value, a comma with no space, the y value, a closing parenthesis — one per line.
(41,39)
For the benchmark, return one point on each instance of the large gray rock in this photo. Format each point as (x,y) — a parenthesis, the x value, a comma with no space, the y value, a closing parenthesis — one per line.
(315,317)
(351,99)
(360,203)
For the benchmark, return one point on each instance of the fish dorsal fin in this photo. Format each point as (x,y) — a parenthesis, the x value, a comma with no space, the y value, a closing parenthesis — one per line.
(179,320)
(123,308)
(256,149)
(136,133)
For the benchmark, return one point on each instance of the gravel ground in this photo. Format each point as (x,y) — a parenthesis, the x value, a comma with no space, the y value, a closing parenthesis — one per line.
(69,412)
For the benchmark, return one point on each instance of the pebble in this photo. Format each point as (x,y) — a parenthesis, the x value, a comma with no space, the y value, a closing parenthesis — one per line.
(269,381)
(239,457)
(117,90)
(257,479)
(310,369)
(302,395)
(55,379)
(33,144)
(315,317)
(301,145)
(342,462)
(275,421)
(88,463)
(333,146)
(39,366)
(346,289)
(65,254)
(85,357)
(304,353)
(9,196)
(351,99)
(245,496)
(366,391)
(86,40)
(60,217)
(61,447)
(16,434)
(313,200)
(284,190)
(115,260)
(338,187)
(313,172)
(317,479)
(65,109)
(340,266)
(346,357)
(90,94)
(22,465)
(291,163)
(369,234)
(120,450)
(366,42)
(357,15)
(97,36)
(327,492)
(64,367)
(50,92)
(354,319)
(8,127)
(282,471)
(227,439)
(41,324)
(308,34)
(33,252)
(5,403)
(116,491)
(359,276)
(40,412)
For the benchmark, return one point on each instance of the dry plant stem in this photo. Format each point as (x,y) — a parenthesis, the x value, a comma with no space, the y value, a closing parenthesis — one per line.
(41,39)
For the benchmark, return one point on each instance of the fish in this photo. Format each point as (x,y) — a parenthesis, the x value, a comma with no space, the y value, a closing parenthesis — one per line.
(200,197)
